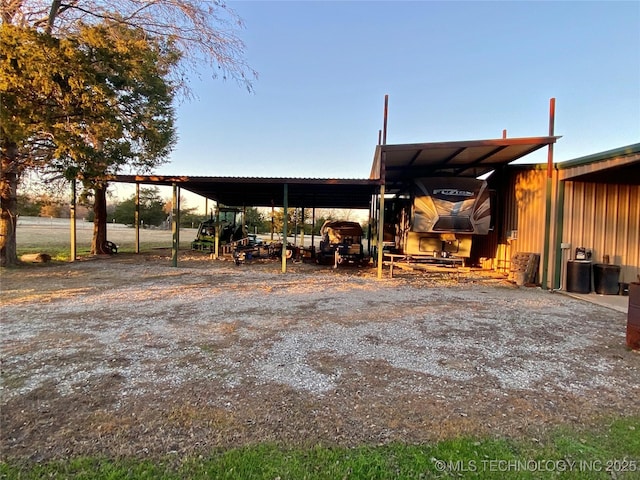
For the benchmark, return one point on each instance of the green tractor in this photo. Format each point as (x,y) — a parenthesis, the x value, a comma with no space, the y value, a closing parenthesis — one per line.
(229,231)
(206,236)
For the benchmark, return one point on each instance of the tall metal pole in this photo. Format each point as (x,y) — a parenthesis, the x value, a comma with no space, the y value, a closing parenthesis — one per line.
(381,232)
(382,190)
(548,205)
(386,114)
(72,208)
(244,221)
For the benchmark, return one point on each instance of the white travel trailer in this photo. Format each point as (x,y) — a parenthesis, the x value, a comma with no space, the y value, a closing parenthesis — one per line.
(439,217)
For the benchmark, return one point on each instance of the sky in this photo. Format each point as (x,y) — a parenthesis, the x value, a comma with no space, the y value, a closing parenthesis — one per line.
(453,71)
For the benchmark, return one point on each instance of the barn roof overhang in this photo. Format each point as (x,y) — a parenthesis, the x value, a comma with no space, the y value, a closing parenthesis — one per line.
(397,165)
(618,166)
(267,192)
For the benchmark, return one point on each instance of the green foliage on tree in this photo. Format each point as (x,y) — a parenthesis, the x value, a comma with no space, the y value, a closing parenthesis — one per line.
(254,220)
(190,219)
(28,206)
(101,104)
(86,104)
(151,209)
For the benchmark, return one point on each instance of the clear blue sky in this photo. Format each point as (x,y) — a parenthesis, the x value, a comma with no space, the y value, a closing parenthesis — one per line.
(453,71)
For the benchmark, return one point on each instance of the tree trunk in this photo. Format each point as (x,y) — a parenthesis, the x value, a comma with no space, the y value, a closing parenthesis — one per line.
(8,205)
(99,220)
(53,13)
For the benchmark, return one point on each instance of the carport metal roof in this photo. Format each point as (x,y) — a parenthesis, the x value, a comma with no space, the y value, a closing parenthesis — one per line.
(267,192)
(396,165)
(618,166)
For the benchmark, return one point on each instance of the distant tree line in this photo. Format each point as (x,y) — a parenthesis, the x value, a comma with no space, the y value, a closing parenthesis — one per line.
(45,205)
(155,211)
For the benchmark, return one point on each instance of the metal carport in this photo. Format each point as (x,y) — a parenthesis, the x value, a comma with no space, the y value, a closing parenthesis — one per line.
(396,165)
(264,192)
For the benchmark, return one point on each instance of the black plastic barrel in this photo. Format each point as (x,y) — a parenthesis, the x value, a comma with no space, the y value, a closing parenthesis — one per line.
(579,276)
(606,278)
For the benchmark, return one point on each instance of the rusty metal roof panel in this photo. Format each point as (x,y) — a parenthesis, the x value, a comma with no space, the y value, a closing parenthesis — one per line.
(472,158)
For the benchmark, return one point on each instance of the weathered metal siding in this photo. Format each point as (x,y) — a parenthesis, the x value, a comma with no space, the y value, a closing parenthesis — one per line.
(520,228)
(606,219)
(530,204)
(602,217)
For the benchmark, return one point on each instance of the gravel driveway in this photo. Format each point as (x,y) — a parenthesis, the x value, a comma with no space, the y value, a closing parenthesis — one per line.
(128,356)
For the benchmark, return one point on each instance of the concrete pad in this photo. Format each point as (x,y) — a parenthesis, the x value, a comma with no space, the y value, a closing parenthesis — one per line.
(619,303)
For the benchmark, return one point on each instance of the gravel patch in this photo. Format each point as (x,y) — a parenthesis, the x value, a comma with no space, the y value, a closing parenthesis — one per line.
(126,355)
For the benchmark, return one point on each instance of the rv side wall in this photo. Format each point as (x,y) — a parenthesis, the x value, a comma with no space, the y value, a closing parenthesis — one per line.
(434,244)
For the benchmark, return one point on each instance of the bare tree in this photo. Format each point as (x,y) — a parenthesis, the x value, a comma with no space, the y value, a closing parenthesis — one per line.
(205,32)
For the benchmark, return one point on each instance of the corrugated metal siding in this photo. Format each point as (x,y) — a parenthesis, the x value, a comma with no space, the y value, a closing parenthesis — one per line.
(522,197)
(602,217)
(606,219)
(530,201)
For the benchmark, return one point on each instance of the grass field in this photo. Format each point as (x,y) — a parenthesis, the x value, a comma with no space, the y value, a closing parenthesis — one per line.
(53,236)
(609,451)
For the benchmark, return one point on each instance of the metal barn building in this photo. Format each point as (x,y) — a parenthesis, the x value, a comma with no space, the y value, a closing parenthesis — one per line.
(595,205)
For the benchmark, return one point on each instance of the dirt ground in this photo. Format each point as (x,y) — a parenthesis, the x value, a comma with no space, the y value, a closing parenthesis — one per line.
(127,356)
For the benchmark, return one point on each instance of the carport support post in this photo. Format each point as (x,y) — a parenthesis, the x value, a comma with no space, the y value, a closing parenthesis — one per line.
(72,209)
(371,220)
(216,243)
(136,219)
(313,227)
(547,217)
(302,222)
(380,231)
(557,280)
(244,222)
(175,226)
(285,217)
(273,228)
(382,175)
